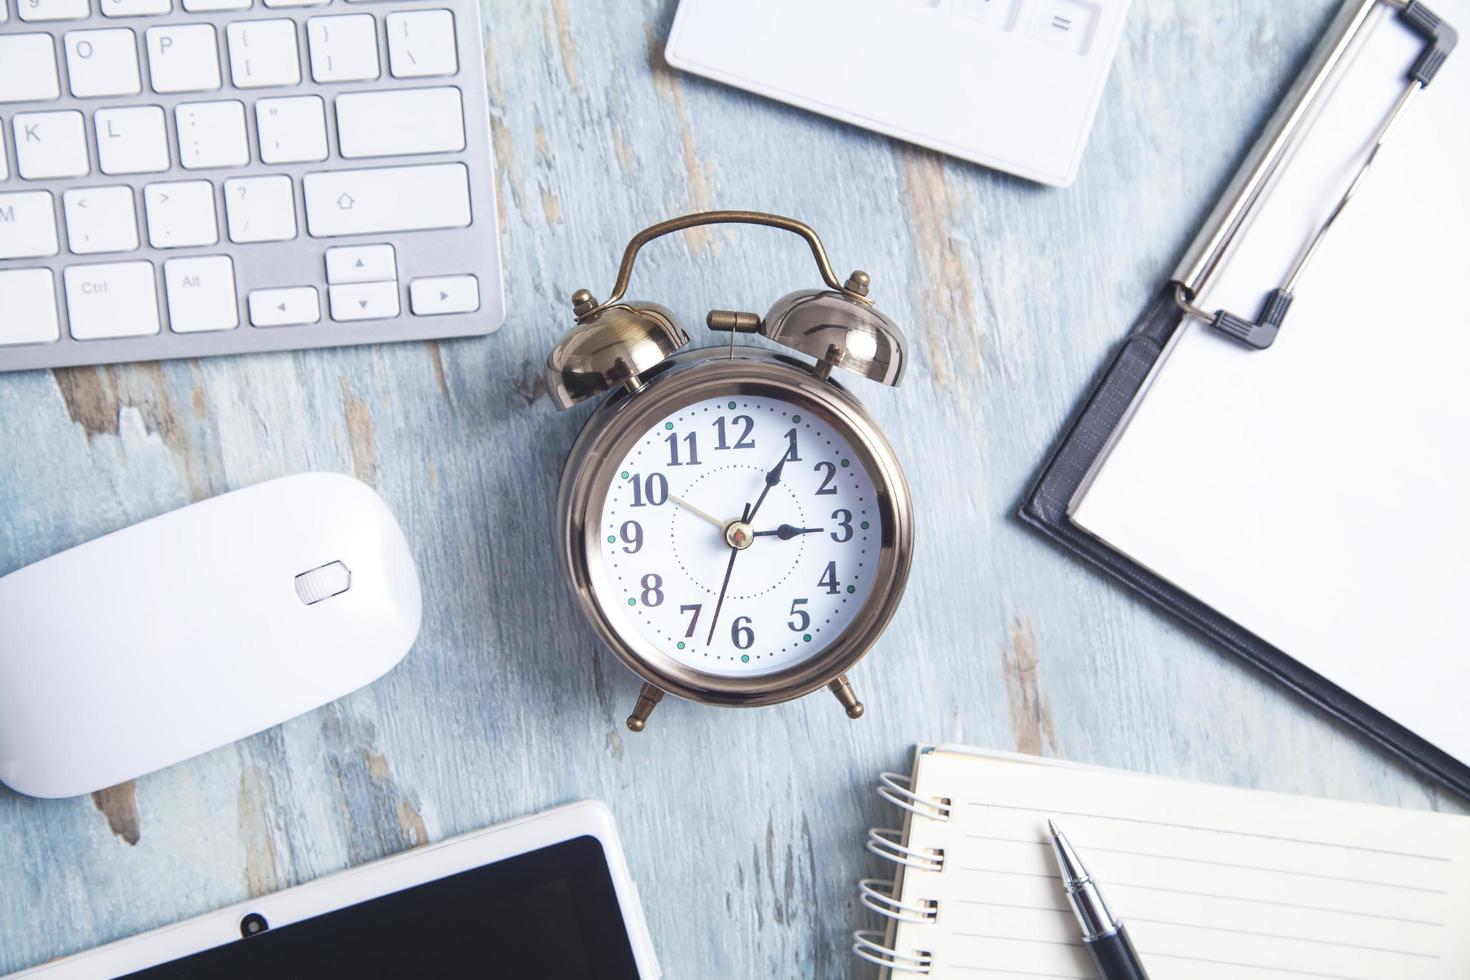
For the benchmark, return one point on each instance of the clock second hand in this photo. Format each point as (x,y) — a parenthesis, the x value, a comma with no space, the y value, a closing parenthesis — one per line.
(696,511)
(734,553)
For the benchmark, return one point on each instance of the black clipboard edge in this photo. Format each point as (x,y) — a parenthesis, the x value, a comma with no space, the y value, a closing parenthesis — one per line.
(1044,508)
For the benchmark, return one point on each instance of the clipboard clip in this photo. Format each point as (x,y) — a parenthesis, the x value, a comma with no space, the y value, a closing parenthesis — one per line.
(1260,333)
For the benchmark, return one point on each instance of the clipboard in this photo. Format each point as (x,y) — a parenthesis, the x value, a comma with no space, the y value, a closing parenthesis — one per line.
(1106,411)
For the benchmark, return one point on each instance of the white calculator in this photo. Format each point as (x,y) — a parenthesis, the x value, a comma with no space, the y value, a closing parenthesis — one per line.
(1012,84)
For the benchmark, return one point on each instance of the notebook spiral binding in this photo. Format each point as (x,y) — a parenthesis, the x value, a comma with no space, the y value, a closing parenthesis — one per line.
(880,895)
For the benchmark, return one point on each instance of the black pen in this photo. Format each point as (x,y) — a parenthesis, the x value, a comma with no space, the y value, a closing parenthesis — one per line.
(1103,934)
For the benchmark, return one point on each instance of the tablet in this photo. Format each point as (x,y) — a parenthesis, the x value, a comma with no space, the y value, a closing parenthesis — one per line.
(548,896)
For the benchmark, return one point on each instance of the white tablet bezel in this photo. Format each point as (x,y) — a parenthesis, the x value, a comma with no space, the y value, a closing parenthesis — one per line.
(589,818)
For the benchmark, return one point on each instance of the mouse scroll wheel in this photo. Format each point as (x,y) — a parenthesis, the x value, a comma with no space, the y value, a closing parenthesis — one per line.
(323,582)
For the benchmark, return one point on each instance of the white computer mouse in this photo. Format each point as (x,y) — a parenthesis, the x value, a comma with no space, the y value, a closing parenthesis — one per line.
(193,629)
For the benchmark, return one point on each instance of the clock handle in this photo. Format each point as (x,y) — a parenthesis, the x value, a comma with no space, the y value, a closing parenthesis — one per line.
(630,254)
(648,699)
(845,694)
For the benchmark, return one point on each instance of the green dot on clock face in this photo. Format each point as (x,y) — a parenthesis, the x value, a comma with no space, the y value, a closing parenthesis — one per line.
(680,644)
(625,474)
(632,602)
(796,418)
(668,425)
(730,405)
(864,525)
(851,589)
(745,658)
(612,539)
(807,637)
(846,462)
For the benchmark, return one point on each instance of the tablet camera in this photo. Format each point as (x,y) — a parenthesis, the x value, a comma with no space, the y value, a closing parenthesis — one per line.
(253,925)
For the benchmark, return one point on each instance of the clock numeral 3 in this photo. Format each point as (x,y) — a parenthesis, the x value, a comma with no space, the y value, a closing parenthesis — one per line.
(741,634)
(744,441)
(653,491)
(843,517)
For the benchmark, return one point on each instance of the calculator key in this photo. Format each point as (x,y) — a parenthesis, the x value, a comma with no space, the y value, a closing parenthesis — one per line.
(182,58)
(30,68)
(263,53)
(211,134)
(100,219)
(101,63)
(39,10)
(400,122)
(131,140)
(1066,24)
(421,43)
(201,294)
(364,301)
(28,307)
(136,8)
(180,214)
(361,263)
(27,225)
(293,306)
(292,129)
(50,144)
(343,48)
(438,295)
(260,209)
(113,300)
(364,202)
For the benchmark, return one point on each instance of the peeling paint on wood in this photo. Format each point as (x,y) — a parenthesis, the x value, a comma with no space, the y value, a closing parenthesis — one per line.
(119,804)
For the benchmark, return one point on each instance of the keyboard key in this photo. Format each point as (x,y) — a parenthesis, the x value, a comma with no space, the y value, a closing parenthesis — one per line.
(209,6)
(101,63)
(27,225)
(28,307)
(100,219)
(364,301)
(292,130)
(364,202)
(30,68)
(260,209)
(50,144)
(361,263)
(113,300)
(211,134)
(136,8)
(180,214)
(421,43)
(4,162)
(438,295)
(263,53)
(295,3)
(201,294)
(400,122)
(291,307)
(343,48)
(132,140)
(38,10)
(182,58)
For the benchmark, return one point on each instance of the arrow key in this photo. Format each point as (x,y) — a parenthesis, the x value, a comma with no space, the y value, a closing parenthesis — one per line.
(361,263)
(439,295)
(293,306)
(364,301)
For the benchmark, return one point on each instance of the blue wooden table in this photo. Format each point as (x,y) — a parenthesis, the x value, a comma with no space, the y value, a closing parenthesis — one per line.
(745,828)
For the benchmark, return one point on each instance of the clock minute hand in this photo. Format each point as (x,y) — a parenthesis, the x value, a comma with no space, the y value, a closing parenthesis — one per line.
(772,478)
(786,531)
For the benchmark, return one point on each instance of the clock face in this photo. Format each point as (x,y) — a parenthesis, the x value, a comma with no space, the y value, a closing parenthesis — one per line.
(739,536)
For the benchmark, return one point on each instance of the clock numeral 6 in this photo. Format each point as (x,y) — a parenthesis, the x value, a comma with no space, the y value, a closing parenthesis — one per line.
(653,589)
(651,491)
(828,580)
(801,618)
(743,441)
(829,478)
(632,535)
(843,517)
(741,634)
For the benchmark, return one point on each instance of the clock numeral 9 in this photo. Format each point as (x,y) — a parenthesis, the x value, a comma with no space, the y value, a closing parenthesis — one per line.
(843,517)
(690,442)
(741,634)
(743,441)
(829,478)
(653,589)
(802,619)
(632,534)
(652,491)
(828,580)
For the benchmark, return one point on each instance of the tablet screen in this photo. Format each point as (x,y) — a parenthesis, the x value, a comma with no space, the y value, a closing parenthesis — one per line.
(547,913)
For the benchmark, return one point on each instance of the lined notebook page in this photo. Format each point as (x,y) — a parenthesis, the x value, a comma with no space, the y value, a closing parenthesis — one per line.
(1212,882)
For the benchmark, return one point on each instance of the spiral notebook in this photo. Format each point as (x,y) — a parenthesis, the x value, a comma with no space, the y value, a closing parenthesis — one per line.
(1212,882)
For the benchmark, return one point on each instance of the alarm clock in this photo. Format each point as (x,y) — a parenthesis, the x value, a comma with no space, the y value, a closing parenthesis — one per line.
(731,521)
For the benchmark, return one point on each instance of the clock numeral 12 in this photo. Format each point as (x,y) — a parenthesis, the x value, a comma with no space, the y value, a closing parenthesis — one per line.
(744,441)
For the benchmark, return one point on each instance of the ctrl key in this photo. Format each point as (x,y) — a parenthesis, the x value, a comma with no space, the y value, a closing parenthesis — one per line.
(114,299)
(28,307)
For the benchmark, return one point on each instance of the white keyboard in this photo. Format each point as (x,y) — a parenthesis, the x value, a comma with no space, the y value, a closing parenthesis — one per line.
(181,178)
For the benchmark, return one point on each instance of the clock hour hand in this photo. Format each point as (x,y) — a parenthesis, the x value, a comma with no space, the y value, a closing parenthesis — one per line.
(696,511)
(786,532)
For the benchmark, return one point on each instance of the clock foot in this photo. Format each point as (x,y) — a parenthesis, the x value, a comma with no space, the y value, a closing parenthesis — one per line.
(648,699)
(843,690)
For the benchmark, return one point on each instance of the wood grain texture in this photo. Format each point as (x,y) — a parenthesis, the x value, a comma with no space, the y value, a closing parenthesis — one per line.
(745,829)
